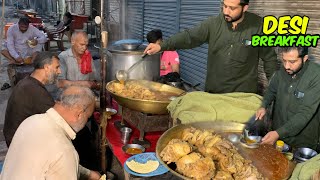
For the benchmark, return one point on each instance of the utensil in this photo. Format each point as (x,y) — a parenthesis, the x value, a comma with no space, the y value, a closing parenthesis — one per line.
(303,154)
(145,106)
(125,134)
(122,75)
(234,138)
(175,97)
(130,46)
(133,149)
(264,166)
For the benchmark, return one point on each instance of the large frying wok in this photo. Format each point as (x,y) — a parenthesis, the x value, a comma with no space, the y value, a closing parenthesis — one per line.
(146,106)
(269,168)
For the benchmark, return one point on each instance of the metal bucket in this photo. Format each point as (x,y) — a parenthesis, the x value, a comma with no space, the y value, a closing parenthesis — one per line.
(122,59)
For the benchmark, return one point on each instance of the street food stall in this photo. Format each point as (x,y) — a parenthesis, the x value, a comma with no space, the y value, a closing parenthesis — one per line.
(264,159)
(141,106)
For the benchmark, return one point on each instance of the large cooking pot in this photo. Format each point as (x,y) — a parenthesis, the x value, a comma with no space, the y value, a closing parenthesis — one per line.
(269,167)
(146,106)
(121,58)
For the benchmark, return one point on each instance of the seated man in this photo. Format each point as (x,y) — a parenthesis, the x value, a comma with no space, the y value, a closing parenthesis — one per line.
(41,147)
(295,90)
(77,68)
(62,26)
(169,59)
(29,96)
(23,41)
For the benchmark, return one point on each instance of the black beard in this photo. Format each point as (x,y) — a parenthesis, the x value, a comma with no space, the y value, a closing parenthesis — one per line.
(296,72)
(233,19)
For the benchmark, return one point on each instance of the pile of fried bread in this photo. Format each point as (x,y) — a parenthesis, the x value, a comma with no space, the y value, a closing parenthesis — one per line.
(203,154)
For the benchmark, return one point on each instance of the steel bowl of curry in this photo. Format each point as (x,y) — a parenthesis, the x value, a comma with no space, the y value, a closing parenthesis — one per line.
(133,149)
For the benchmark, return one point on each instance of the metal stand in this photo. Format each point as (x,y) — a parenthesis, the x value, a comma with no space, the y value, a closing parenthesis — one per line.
(145,123)
(120,124)
(141,127)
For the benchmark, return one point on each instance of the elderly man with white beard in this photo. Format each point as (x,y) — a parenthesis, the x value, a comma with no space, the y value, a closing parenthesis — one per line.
(41,147)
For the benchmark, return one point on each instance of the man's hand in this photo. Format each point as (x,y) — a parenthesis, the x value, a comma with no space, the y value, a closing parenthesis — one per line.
(19,60)
(260,113)
(94,175)
(95,85)
(33,42)
(270,138)
(152,48)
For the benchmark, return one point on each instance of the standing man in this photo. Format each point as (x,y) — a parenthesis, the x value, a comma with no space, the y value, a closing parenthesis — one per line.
(232,64)
(29,96)
(23,40)
(42,148)
(295,90)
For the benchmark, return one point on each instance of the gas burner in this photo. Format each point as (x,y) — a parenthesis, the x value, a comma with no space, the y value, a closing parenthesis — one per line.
(144,123)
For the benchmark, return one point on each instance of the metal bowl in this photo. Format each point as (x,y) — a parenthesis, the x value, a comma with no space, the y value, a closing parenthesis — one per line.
(111,111)
(146,106)
(135,147)
(130,46)
(251,141)
(304,154)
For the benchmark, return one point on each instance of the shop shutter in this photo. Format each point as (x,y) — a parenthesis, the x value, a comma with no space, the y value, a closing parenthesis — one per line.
(134,24)
(160,14)
(278,8)
(87,7)
(193,62)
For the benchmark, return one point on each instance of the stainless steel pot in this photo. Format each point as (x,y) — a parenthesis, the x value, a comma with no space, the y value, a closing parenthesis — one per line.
(121,59)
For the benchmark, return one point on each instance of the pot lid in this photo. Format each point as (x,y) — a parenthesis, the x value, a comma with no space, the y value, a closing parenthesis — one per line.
(128,41)
(127,46)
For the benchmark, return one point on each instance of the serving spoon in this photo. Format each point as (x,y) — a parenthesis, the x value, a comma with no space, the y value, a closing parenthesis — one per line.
(122,75)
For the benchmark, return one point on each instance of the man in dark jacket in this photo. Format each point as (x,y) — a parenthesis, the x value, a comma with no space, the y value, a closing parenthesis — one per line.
(295,90)
(29,96)
(232,64)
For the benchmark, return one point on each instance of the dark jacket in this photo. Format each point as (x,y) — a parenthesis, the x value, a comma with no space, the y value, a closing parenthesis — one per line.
(232,64)
(29,97)
(296,115)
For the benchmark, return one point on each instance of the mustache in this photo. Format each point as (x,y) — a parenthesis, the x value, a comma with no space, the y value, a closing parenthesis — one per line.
(225,15)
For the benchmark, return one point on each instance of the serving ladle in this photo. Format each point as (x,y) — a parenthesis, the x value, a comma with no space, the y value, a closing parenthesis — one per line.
(122,75)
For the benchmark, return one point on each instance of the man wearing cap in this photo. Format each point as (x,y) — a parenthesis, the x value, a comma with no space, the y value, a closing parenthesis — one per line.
(23,40)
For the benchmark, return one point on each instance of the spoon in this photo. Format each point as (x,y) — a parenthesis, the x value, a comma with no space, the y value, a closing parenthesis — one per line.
(122,75)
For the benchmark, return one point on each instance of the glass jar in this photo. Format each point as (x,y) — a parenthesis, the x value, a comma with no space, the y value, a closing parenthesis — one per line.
(279,145)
